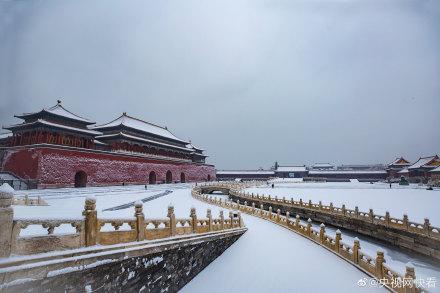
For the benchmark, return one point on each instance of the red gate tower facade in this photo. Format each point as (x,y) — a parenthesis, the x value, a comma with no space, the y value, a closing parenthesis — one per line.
(56,148)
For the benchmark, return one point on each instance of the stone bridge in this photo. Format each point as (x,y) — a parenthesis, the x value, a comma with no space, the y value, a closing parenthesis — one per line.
(417,237)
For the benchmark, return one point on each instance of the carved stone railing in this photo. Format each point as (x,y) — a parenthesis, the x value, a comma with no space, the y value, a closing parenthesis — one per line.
(90,230)
(424,231)
(372,266)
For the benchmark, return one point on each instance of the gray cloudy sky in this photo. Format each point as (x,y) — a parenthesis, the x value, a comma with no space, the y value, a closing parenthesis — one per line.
(344,81)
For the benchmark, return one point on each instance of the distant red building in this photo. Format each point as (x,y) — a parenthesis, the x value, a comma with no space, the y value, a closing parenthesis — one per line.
(397,168)
(56,148)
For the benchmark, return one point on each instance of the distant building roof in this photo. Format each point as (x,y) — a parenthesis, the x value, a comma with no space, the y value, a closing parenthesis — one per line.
(323,165)
(400,162)
(5,135)
(322,172)
(140,125)
(291,169)
(403,171)
(424,162)
(436,170)
(245,172)
(60,111)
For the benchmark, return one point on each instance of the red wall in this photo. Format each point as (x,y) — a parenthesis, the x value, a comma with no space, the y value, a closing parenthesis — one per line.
(56,167)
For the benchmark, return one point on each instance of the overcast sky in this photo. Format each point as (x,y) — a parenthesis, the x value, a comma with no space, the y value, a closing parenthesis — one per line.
(252,82)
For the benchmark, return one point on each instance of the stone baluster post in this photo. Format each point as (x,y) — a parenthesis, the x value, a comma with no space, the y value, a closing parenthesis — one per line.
(278,215)
(405,222)
(39,200)
(253,208)
(356,248)
(261,210)
(222,221)
(284,199)
(209,216)
(173,223)
(297,222)
(6,220)
(356,212)
(320,205)
(426,226)
(309,227)
(338,239)
(310,203)
(410,274)
(371,215)
(91,221)
(387,218)
(270,212)
(140,221)
(276,198)
(269,198)
(240,220)
(291,201)
(300,202)
(287,219)
(344,210)
(238,204)
(332,209)
(193,216)
(26,199)
(379,264)
(231,217)
(322,233)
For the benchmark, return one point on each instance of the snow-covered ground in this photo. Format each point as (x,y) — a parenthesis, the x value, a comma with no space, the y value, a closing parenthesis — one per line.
(417,202)
(268,258)
(414,200)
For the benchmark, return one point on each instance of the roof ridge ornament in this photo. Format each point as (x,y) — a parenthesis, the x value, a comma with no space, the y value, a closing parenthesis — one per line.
(59,101)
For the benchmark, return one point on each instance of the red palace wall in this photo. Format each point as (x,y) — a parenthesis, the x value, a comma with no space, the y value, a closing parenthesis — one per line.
(57,166)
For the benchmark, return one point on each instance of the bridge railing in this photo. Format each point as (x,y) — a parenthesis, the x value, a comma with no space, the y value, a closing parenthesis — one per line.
(386,220)
(373,266)
(90,230)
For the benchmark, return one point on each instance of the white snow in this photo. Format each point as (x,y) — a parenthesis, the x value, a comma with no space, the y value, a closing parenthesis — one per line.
(413,200)
(6,188)
(140,125)
(291,169)
(266,258)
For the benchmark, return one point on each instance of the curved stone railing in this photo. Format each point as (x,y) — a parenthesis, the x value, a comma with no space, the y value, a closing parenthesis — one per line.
(373,266)
(91,230)
(422,238)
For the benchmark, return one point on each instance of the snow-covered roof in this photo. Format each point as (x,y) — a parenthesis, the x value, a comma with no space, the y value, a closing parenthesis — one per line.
(346,172)
(403,171)
(245,172)
(95,141)
(436,170)
(397,160)
(143,140)
(422,162)
(5,135)
(52,124)
(60,111)
(291,169)
(323,165)
(191,146)
(140,125)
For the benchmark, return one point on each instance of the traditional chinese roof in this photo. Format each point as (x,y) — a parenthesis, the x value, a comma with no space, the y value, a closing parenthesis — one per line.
(403,171)
(426,162)
(139,126)
(59,111)
(323,172)
(291,169)
(42,122)
(436,170)
(323,165)
(400,162)
(144,140)
(191,146)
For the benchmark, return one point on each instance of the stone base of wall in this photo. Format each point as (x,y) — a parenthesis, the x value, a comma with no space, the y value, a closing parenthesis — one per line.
(163,268)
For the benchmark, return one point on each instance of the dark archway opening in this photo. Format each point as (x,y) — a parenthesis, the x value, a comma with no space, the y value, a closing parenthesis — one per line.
(80,179)
(182,177)
(169,177)
(152,178)
(209,177)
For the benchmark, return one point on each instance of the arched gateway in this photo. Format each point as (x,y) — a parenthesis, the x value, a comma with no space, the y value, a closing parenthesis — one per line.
(152,178)
(80,179)
(182,177)
(169,177)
